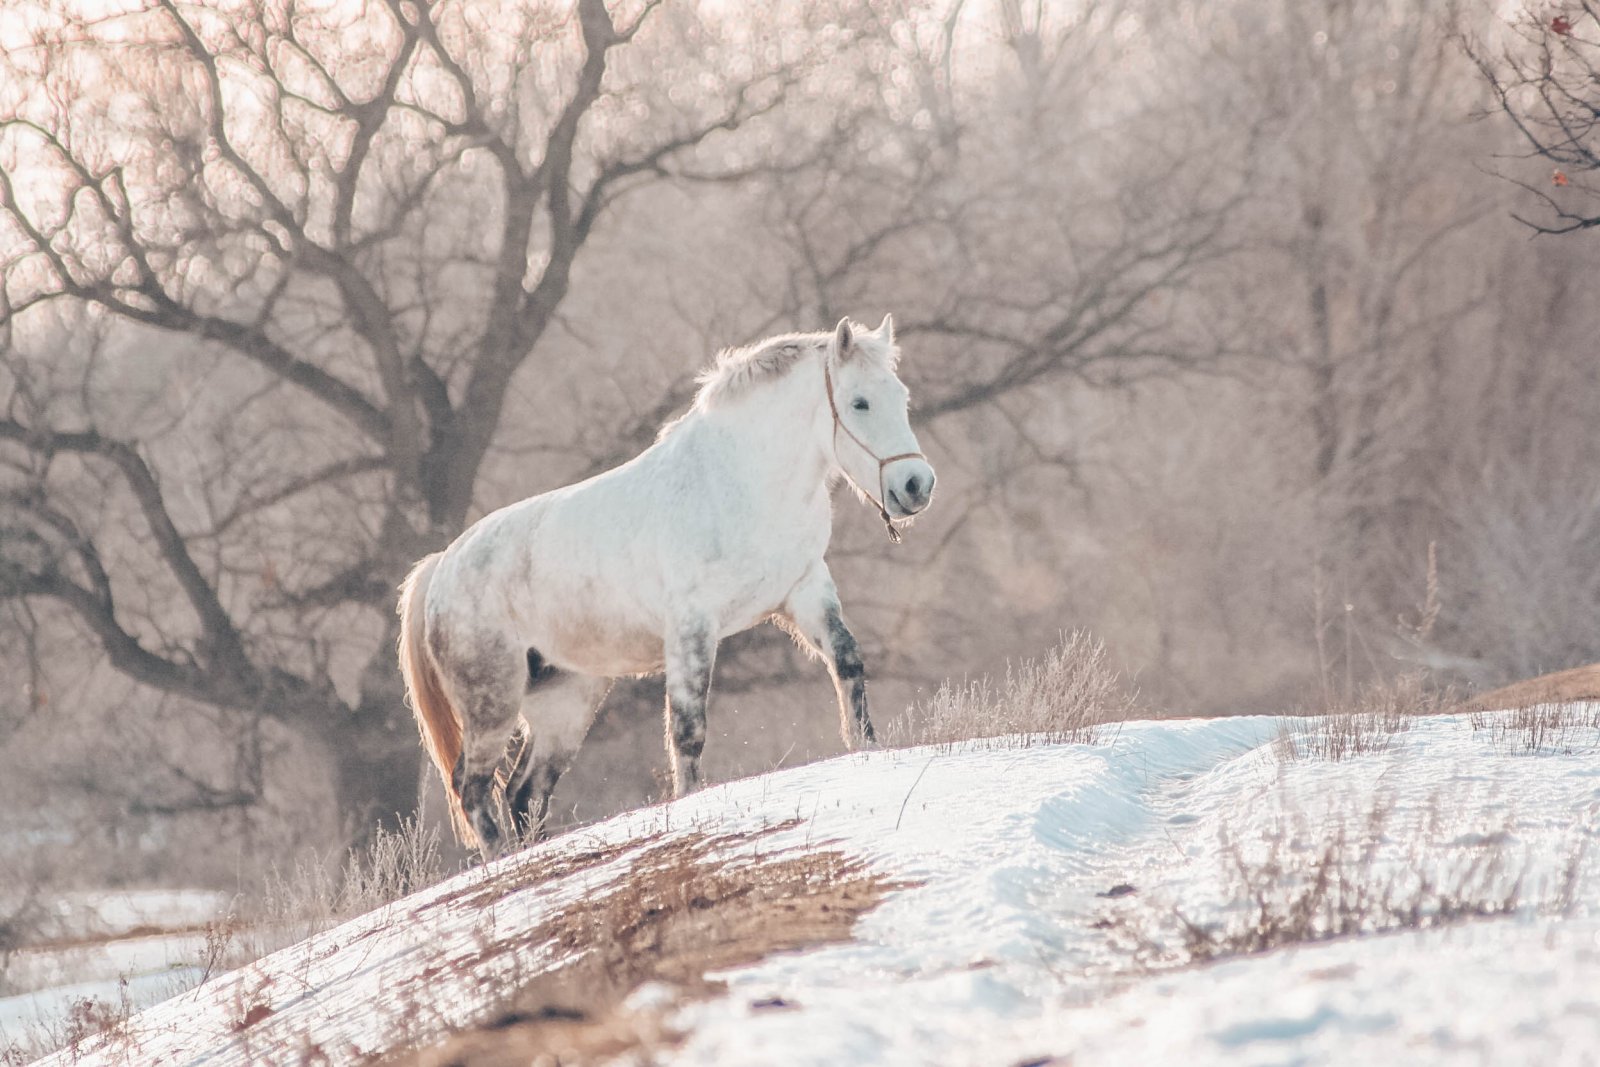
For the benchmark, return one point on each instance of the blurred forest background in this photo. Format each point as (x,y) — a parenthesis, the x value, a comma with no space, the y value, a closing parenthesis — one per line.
(1229,327)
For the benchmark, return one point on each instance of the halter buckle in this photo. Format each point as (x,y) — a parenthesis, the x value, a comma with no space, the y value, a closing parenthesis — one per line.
(888,524)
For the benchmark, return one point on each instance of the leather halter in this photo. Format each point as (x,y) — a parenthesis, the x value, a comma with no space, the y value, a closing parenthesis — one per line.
(838,424)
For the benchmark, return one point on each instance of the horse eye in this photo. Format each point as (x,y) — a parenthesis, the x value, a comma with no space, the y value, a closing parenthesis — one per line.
(861,404)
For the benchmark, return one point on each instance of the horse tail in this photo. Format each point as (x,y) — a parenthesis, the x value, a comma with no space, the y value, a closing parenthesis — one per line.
(437,719)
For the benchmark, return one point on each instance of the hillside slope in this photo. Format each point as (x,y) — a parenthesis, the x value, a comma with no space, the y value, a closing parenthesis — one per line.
(1215,891)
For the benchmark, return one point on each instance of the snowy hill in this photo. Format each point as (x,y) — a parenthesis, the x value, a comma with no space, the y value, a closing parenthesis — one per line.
(1214,891)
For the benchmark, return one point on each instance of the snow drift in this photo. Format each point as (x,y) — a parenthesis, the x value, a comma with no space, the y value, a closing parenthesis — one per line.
(1199,891)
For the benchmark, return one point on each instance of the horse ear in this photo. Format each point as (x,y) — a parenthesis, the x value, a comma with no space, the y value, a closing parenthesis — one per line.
(885,329)
(843,338)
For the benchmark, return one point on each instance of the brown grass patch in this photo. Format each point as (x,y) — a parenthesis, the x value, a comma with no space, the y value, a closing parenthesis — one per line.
(87,1021)
(1561,687)
(521,876)
(684,911)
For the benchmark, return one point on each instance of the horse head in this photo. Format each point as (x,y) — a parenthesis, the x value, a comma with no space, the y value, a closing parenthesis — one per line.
(873,443)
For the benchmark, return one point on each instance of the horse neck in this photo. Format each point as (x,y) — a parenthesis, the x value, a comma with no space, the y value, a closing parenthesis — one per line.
(782,429)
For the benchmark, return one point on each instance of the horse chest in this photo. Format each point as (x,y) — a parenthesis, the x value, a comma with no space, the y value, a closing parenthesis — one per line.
(741,596)
(741,588)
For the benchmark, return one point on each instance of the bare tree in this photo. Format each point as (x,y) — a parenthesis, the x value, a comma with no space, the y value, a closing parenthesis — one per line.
(330,238)
(1195,301)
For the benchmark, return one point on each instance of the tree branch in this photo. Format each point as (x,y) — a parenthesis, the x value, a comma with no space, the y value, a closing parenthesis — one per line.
(222,641)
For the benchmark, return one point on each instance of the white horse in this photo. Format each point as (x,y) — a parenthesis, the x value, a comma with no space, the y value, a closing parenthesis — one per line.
(513,634)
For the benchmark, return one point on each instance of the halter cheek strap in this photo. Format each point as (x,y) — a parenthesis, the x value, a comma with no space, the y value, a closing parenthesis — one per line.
(883,464)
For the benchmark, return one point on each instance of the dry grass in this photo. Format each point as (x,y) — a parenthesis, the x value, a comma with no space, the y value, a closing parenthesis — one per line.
(1547,714)
(1367,724)
(1564,728)
(1348,886)
(1553,712)
(1064,696)
(312,898)
(682,912)
(86,1021)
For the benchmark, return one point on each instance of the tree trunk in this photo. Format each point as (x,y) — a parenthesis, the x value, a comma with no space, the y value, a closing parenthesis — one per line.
(376,760)
(375,750)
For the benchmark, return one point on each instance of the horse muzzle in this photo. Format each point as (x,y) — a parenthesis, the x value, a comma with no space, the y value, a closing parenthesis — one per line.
(909,488)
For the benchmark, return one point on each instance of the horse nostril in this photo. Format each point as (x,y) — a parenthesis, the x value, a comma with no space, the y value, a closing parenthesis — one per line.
(913,487)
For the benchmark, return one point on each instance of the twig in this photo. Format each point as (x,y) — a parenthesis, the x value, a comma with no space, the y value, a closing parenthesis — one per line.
(913,789)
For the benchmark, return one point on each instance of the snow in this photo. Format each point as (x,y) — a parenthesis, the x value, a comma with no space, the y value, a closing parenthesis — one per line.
(1007,944)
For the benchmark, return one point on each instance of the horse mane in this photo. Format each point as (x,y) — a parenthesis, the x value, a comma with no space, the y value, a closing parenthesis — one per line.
(736,371)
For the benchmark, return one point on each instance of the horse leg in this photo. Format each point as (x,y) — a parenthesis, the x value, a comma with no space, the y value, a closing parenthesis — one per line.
(528,794)
(691,654)
(558,711)
(812,616)
(486,685)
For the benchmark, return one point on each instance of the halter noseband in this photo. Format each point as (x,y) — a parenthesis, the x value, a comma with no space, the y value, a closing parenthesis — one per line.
(838,424)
